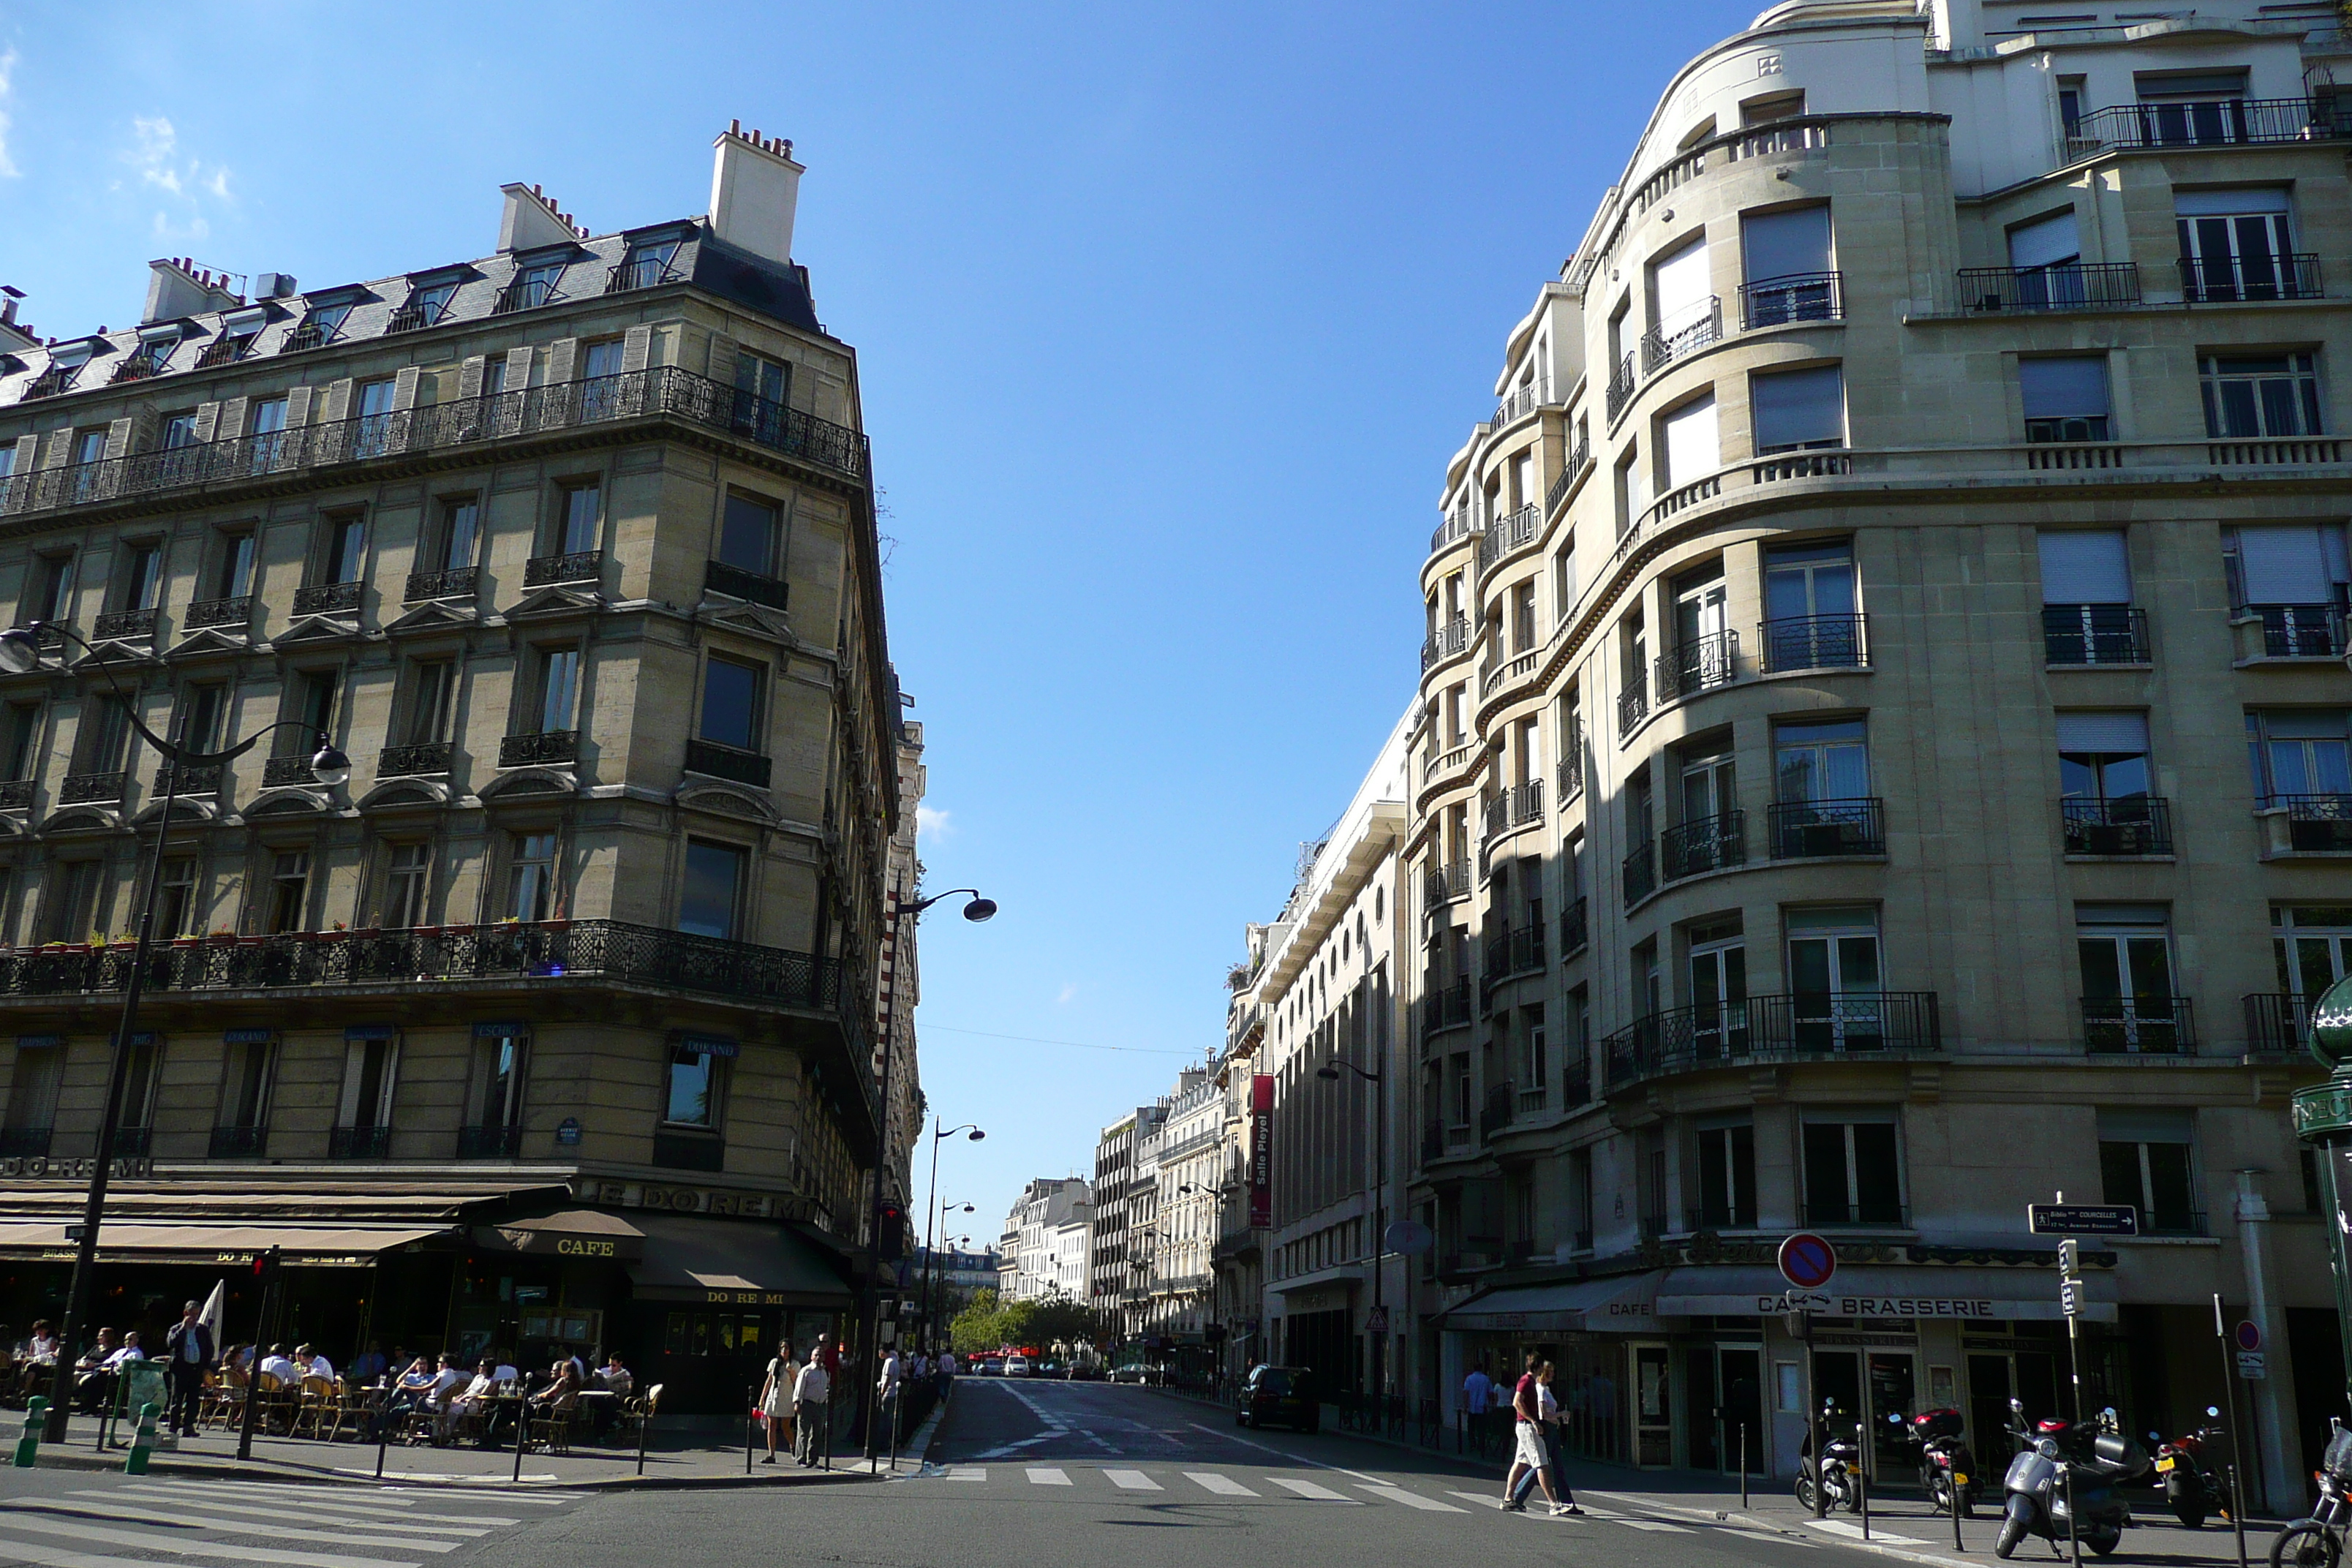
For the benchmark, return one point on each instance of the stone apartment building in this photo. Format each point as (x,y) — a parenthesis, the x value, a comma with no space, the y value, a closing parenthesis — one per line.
(1118,1264)
(1883,737)
(556,1024)
(1046,1248)
(1187,1157)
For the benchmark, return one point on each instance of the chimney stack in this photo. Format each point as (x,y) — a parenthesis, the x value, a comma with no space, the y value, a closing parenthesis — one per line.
(9,330)
(754,186)
(531,220)
(175,288)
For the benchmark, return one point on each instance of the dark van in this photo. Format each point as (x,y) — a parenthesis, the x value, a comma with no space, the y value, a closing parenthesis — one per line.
(1278,1395)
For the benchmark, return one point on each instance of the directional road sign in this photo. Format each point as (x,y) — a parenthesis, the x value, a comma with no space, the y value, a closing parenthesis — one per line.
(2081,1219)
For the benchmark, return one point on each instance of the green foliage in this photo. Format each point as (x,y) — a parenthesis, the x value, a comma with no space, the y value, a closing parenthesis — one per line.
(990,1325)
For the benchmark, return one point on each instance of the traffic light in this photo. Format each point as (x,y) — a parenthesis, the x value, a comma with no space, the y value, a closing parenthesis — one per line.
(266,1265)
(891,1228)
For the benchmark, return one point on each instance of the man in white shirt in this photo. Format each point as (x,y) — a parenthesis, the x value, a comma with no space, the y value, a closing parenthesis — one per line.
(446,1381)
(811,1414)
(130,1352)
(481,1389)
(277,1366)
(312,1365)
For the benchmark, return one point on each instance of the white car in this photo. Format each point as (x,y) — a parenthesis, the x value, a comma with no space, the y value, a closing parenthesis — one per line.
(1017,1366)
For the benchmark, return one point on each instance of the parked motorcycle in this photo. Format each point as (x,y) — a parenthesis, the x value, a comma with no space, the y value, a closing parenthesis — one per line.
(1841,1458)
(2192,1488)
(2068,1468)
(2318,1541)
(1947,1470)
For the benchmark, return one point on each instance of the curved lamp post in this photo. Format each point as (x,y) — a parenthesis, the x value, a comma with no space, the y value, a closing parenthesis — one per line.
(931,1271)
(20,654)
(930,1333)
(1330,1073)
(980,908)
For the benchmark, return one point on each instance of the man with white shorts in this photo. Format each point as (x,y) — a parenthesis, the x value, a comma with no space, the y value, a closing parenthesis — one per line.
(1528,1451)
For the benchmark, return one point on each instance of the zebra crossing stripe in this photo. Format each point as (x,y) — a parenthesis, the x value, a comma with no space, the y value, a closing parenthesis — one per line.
(1224,1486)
(1048,1476)
(1132,1480)
(1410,1499)
(146,1541)
(1309,1489)
(18,1513)
(199,1511)
(200,1494)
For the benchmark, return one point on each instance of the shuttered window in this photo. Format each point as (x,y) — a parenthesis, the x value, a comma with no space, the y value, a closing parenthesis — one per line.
(1798,409)
(2086,567)
(2052,241)
(1785,244)
(1692,447)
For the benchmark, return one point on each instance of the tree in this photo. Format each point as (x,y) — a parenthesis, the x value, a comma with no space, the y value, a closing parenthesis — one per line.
(980,1326)
(1058,1319)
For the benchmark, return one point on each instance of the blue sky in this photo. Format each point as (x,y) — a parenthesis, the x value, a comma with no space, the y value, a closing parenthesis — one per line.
(1169,318)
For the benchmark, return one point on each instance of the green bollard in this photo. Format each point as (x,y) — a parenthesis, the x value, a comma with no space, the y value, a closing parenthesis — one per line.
(142,1445)
(36,1412)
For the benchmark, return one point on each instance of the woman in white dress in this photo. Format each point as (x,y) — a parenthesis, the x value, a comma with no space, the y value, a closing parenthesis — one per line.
(776,1399)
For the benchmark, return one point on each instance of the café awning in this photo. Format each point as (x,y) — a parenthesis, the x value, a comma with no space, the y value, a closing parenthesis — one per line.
(565,1233)
(347,1246)
(1868,1292)
(1621,1303)
(737,1263)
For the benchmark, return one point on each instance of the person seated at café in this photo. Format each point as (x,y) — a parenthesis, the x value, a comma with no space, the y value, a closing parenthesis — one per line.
(93,1381)
(370,1363)
(479,1397)
(43,1344)
(312,1364)
(276,1364)
(407,1396)
(562,1393)
(614,1379)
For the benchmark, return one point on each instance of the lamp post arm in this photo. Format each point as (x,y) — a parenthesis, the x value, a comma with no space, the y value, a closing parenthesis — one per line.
(170,751)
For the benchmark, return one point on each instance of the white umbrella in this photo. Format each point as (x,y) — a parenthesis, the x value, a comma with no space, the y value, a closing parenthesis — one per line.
(214,1305)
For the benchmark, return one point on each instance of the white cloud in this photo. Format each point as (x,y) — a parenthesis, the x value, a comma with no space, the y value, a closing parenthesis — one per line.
(932,823)
(184,183)
(9,169)
(1069,989)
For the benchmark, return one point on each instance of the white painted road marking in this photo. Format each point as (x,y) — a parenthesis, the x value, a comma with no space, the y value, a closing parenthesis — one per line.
(75,1530)
(966,1473)
(1410,1499)
(1132,1480)
(1853,1531)
(1224,1486)
(1310,1490)
(268,1529)
(239,1496)
(1046,1476)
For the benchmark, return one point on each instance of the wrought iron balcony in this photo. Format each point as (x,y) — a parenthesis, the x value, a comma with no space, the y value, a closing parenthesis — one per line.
(457,582)
(84,788)
(1874,1209)
(1516,404)
(1446,1007)
(1705,844)
(16,795)
(645,272)
(1683,336)
(1573,930)
(358,1142)
(2298,631)
(1819,829)
(134,1140)
(239,1142)
(545,747)
(1444,884)
(729,763)
(282,773)
(1815,642)
(1572,768)
(2138,1026)
(327,599)
(1633,706)
(1641,873)
(523,292)
(2130,824)
(2316,821)
(1719,1214)
(2278,1023)
(1518,950)
(2211,279)
(1518,807)
(25,1143)
(1433,1143)
(194,778)
(2073,287)
(1512,531)
(415,316)
(1792,300)
(579,566)
(236,612)
(1805,1025)
(1578,461)
(1496,1114)
(1458,524)
(2094,634)
(489,1142)
(719,577)
(1700,664)
(124,625)
(2207,122)
(1621,386)
(305,337)
(226,349)
(1447,642)
(423,757)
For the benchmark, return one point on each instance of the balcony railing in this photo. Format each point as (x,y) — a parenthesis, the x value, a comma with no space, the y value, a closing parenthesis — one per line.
(489,1142)
(2215,280)
(1705,844)
(2298,631)
(2074,287)
(1800,1027)
(283,773)
(1818,829)
(1515,808)
(2205,122)
(731,763)
(134,1140)
(575,566)
(660,392)
(1720,1215)
(524,292)
(16,795)
(239,1142)
(1519,402)
(327,599)
(1633,706)
(423,757)
(1700,664)
(1872,1208)
(457,582)
(1447,1008)
(1641,874)
(1574,930)
(1446,883)
(2278,1023)
(545,747)
(1572,768)
(1518,951)
(2316,821)
(2130,824)
(415,316)
(1457,525)
(25,1143)
(645,272)
(358,1142)
(1815,642)
(1621,386)
(1447,642)
(226,349)
(84,788)
(194,778)
(1496,1113)
(2142,1025)
(2094,634)
(1687,333)
(718,577)
(1792,300)
(124,625)
(1578,461)
(236,612)
(1512,531)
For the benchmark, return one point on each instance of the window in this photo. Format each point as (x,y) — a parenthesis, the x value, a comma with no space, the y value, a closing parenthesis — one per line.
(248,1075)
(143,574)
(747,534)
(1689,449)
(407,880)
(21,735)
(106,734)
(2293,577)
(319,324)
(1772,106)
(2239,245)
(2087,594)
(1854,1169)
(267,417)
(89,445)
(1719,990)
(532,286)
(460,527)
(371,1072)
(2259,395)
(1798,410)
(647,263)
(501,1065)
(51,593)
(600,360)
(559,688)
(2297,753)
(289,890)
(2128,987)
(531,876)
(2146,1159)
(1833,978)
(371,433)
(314,712)
(1682,304)
(2313,946)
(140,1079)
(691,1095)
(757,376)
(2065,398)
(1534,1067)
(709,902)
(431,687)
(345,549)
(179,430)
(2046,243)
(730,703)
(425,306)
(33,1094)
(233,578)
(72,904)
(1785,266)
(175,908)
(1630,499)
(1811,605)
(583,508)
(2184,108)
(2103,755)
(1727,1172)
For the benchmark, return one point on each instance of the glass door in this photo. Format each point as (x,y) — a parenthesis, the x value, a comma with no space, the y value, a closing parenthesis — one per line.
(1654,1420)
(1893,1399)
(1822,785)
(1710,835)
(1718,994)
(1812,617)
(2127,996)
(1833,980)
(1702,638)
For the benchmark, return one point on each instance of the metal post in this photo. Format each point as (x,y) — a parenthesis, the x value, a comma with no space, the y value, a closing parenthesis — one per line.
(751,1408)
(522,1429)
(1862,1474)
(2074,1535)
(1743,1466)
(1954,1483)
(1813,1420)
(263,1332)
(645,1421)
(383,1422)
(869,1345)
(2237,1454)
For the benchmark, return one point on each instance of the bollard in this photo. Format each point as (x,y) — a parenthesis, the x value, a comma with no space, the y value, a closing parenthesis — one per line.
(142,1445)
(36,1412)
(1743,1466)
(751,1405)
(1954,1475)
(1862,1475)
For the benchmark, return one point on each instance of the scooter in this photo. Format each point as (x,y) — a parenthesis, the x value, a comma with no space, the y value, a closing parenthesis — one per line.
(1840,1458)
(2062,1482)
(2192,1489)
(1947,1470)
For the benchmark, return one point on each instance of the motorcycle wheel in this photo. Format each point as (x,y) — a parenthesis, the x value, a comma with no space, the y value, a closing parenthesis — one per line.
(1805,1493)
(1939,1496)
(2104,1542)
(2306,1545)
(2013,1531)
(2190,1514)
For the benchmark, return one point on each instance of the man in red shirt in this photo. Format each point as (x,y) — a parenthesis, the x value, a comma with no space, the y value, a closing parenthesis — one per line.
(1526,1430)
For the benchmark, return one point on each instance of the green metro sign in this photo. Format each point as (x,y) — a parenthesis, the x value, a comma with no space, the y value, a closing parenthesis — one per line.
(2326,1108)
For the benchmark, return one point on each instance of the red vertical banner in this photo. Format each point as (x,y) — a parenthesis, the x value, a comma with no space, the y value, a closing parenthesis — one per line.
(1261,1162)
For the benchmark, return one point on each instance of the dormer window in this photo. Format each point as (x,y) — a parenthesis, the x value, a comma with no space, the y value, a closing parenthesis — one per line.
(646,264)
(239,332)
(155,346)
(533,285)
(65,364)
(321,324)
(425,306)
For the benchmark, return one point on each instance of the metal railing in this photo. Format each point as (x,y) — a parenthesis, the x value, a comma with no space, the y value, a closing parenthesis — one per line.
(731,763)
(2278,1022)
(194,778)
(572,566)
(1517,951)
(124,625)
(2076,286)
(1719,1214)
(2139,1025)
(358,1142)
(489,1142)
(238,1143)
(2094,634)
(1621,386)
(1633,705)
(1783,1027)
(327,599)
(1444,884)
(1578,461)
(1514,807)
(660,392)
(1570,769)
(25,1143)
(1574,928)
(1447,642)
(544,747)
(1640,873)
(1818,829)
(1447,1008)
(415,315)
(1700,664)
(1873,1208)
(288,772)
(2315,822)
(718,577)
(1682,336)
(524,292)
(2298,631)
(2253,275)
(1458,525)
(1498,1113)
(1815,642)
(1792,299)
(232,611)
(16,795)
(2130,824)
(1522,401)
(1705,844)
(81,789)
(457,582)
(1511,530)
(645,272)
(2204,122)
(423,757)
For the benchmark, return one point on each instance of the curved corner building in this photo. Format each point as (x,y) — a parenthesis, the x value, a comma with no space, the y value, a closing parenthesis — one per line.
(1883,751)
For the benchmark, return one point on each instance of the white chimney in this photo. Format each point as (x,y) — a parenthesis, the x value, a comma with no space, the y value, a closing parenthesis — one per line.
(176,288)
(754,186)
(531,220)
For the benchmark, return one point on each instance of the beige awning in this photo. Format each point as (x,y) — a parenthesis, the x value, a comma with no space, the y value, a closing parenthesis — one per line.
(313,1246)
(1620,1303)
(729,1262)
(565,1233)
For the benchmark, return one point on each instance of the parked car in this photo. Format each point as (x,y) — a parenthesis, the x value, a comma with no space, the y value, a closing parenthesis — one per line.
(1135,1371)
(988,1366)
(1282,1395)
(1017,1366)
(1089,1372)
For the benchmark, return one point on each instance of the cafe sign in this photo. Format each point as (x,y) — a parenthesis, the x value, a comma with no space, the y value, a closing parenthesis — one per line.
(679,1199)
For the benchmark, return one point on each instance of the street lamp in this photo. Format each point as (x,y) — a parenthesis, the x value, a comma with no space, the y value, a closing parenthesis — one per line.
(930,1250)
(976,911)
(1330,1073)
(20,654)
(2323,1119)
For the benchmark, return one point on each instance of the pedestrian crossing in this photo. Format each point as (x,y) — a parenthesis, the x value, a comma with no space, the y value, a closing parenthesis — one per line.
(196,1524)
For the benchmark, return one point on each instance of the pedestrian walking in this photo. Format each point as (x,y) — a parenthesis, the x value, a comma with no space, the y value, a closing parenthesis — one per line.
(813,1408)
(887,1388)
(1526,1434)
(1547,1420)
(192,1355)
(776,1400)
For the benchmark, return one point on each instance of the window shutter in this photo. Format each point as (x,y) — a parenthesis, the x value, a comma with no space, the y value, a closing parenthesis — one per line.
(2284,563)
(231,423)
(2122,731)
(723,350)
(403,388)
(59,446)
(636,348)
(469,376)
(207,420)
(1786,243)
(2084,568)
(1797,408)
(518,368)
(28,449)
(2071,388)
(2047,242)
(2242,201)
(298,407)
(118,438)
(1692,447)
(561,355)
(339,401)
(1680,282)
